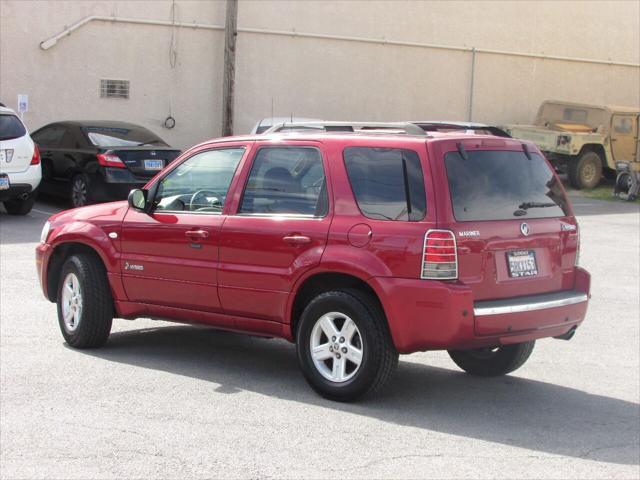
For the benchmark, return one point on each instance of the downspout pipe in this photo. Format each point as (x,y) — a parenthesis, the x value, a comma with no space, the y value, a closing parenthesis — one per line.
(53,40)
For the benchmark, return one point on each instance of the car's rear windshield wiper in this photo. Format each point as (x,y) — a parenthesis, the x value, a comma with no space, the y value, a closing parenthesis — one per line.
(526,205)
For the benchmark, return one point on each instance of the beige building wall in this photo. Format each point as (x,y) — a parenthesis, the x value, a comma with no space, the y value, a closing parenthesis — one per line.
(317,77)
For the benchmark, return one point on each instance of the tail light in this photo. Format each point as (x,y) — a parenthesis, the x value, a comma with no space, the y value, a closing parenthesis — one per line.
(578,245)
(35,160)
(440,256)
(110,160)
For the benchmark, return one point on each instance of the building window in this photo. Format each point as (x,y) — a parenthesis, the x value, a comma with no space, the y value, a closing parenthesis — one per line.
(114,88)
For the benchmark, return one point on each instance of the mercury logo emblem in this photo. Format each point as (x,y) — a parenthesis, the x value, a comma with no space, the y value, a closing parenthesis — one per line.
(524,228)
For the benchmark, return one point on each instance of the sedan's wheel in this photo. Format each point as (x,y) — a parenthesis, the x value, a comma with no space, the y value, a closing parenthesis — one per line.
(344,348)
(336,347)
(85,307)
(493,361)
(80,191)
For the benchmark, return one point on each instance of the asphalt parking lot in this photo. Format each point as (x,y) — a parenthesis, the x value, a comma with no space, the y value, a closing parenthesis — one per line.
(163,400)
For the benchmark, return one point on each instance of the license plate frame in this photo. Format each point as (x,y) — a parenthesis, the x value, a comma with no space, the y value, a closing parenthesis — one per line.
(522,263)
(153,164)
(5,183)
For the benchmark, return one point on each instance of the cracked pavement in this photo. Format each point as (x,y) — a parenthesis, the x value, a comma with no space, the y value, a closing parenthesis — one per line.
(164,400)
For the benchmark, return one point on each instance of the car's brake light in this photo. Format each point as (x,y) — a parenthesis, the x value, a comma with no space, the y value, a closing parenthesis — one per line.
(35,160)
(578,245)
(440,256)
(110,160)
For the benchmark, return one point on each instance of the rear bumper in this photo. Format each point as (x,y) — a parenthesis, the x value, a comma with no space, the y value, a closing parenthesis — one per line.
(431,315)
(15,190)
(116,183)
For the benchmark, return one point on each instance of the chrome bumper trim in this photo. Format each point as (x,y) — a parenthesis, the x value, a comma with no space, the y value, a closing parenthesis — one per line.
(529,303)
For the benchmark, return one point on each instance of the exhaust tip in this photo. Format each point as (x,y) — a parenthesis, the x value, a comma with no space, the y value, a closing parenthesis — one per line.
(569,335)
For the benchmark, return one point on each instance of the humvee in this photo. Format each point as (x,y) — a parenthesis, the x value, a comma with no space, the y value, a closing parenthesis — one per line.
(583,141)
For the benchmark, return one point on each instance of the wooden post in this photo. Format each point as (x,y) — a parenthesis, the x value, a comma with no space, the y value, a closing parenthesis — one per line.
(230,34)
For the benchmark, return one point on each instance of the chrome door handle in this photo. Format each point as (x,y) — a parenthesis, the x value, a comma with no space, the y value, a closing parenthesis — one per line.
(296,239)
(197,234)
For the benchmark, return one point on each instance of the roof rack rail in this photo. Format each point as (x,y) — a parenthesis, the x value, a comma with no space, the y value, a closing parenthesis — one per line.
(348,127)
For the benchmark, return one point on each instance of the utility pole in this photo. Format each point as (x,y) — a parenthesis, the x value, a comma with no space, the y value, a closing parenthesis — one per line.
(230,34)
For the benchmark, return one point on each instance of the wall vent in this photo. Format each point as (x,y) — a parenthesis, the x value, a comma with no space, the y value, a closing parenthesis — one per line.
(114,88)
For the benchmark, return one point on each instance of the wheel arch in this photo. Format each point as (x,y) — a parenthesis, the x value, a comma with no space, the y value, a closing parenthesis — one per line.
(319,282)
(61,253)
(596,148)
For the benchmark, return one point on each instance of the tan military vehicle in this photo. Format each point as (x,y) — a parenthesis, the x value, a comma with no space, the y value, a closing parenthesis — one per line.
(585,141)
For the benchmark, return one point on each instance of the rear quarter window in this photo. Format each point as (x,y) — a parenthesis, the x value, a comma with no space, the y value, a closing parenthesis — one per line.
(11,127)
(387,183)
(503,185)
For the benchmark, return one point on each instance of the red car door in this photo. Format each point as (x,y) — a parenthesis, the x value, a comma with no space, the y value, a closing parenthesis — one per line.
(170,255)
(279,230)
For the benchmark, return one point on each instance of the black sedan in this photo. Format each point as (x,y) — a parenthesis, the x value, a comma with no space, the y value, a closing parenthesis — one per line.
(90,162)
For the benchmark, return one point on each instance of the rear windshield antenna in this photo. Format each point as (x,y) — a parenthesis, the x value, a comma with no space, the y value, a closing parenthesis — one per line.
(525,147)
(463,153)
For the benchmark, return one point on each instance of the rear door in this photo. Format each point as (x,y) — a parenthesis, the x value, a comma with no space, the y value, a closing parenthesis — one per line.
(624,137)
(515,232)
(279,230)
(170,255)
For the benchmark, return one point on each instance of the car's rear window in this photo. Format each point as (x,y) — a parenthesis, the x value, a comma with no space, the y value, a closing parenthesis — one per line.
(387,182)
(11,127)
(503,185)
(116,136)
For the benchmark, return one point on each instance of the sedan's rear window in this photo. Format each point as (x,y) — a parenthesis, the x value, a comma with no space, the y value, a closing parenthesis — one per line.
(117,136)
(11,127)
(503,185)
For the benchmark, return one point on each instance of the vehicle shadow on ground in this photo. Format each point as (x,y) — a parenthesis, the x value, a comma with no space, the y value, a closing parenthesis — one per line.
(509,410)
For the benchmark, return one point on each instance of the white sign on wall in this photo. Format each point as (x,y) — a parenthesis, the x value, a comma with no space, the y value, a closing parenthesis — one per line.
(23,103)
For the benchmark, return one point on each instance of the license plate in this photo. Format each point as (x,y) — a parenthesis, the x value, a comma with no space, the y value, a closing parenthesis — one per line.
(4,182)
(522,263)
(153,164)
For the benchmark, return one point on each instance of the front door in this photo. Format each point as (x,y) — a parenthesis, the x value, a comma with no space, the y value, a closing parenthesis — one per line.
(279,231)
(170,255)
(624,137)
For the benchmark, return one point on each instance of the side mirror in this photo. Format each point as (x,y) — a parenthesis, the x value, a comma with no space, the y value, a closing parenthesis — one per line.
(138,199)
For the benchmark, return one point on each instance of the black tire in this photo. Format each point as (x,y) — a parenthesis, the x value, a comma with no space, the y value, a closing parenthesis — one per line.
(379,356)
(80,191)
(493,362)
(20,206)
(93,326)
(586,171)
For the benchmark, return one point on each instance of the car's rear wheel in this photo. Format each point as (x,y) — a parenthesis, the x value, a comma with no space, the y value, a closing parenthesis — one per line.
(344,348)
(20,206)
(493,361)
(80,193)
(85,306)
(586,171)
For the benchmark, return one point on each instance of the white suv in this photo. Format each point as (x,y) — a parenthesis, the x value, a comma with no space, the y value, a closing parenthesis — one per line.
(20,170)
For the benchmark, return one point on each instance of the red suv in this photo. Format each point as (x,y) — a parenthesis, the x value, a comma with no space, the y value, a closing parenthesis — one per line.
(357,247)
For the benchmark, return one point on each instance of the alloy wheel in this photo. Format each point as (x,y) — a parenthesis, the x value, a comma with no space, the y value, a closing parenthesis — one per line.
(71,302)
(79,192)
(336,347)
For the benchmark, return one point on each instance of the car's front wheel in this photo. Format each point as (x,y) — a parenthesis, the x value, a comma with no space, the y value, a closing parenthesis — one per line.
(20,206)
(493,361)
(344,348)
(85,306)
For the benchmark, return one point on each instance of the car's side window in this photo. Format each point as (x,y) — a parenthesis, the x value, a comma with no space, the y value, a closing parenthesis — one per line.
(623,124)
(49,137)
(286,181)
(387,182)
(200,183)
